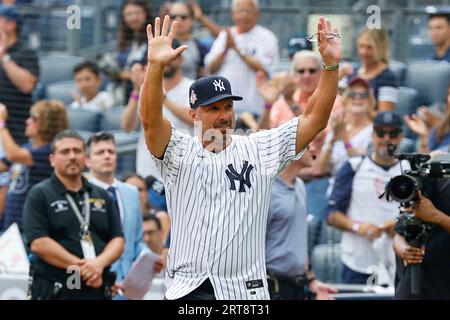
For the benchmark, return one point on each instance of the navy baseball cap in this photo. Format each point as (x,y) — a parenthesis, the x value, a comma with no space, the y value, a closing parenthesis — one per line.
(388,119)
(298,42)
(10,13)
(210,89)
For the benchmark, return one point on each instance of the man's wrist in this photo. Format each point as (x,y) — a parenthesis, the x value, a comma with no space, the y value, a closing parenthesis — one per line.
(356,227)
(331,66)
(5,59)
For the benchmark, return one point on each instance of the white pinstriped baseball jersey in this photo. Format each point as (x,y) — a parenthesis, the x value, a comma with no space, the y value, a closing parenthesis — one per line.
(218,205)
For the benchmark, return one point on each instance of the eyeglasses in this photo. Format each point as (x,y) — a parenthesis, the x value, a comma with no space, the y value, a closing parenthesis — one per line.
(360,95)
(392,133)
(181,16)
(302,71)
(315,37)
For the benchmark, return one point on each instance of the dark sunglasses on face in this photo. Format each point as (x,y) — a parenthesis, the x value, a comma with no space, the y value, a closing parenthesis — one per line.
(361,95)
(181,16)
(310,70)
(392,133)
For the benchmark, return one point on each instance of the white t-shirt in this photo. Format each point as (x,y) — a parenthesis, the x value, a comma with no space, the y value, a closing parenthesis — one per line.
(101,102)
(260,43)
(145,165)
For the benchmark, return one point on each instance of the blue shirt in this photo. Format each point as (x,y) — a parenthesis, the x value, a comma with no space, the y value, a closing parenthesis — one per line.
(446,56)
(442,145)
(286,237)
(24,177)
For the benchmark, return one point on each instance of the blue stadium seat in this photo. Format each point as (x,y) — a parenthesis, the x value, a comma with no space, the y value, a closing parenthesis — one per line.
(430,79)
(57,67)
(110,120)
(84,120)
(399,69)
(407,101)
(326,262)
(61,90)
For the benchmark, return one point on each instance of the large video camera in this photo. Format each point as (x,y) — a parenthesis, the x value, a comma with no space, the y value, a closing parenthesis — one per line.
(404,188)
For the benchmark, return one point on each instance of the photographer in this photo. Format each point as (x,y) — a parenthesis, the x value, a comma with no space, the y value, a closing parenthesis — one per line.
(434,257)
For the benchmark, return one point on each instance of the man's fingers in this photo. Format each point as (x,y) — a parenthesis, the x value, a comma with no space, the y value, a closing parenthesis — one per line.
(165,26)
(157,27)
(180,50)
(328,26)
(173,30)
(149,32)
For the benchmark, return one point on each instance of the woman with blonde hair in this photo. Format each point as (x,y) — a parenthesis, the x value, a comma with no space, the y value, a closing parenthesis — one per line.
(351,131)
(29,164)
(373,52)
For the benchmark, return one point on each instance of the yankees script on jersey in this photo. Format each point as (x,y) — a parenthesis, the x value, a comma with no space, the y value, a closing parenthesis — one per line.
(218,205)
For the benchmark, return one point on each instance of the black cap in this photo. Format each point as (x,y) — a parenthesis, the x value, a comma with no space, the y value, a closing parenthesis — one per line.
(388,119)
(298,42)
(210,89)
(10,13)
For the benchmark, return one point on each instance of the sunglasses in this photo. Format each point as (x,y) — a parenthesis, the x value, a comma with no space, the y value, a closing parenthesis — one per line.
(359,95)
(310,70)
(392,133)
(181,16)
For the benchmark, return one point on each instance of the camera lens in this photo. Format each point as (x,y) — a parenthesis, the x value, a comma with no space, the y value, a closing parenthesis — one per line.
(402,188)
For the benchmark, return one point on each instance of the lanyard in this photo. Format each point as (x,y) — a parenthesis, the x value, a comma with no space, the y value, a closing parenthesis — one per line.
(84,222)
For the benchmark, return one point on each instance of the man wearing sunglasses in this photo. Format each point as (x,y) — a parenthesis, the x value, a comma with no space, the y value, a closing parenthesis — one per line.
(355,208)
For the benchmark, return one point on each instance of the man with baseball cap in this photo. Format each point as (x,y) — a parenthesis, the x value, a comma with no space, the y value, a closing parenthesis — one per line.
(355,208)
(19,72)
(218,184)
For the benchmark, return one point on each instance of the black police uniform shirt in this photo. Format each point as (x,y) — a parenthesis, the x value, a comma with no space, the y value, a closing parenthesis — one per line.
(436,262)
(18,103)
(47,213)
(23,178)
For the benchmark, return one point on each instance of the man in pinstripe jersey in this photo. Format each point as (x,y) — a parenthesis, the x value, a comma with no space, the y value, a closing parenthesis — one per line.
(217,184)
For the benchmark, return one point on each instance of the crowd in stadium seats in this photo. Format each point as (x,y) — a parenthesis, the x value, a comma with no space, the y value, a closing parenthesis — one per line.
(345,222)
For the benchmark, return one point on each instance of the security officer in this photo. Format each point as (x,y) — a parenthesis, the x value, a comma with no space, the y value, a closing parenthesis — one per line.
(71,228)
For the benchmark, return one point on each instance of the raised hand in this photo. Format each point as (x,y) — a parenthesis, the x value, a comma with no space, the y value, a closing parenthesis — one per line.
(266,89)
(330,49)
(417,125)
(160,42)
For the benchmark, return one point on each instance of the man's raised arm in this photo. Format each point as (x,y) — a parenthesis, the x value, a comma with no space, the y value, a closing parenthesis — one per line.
(317,113)
(157,129)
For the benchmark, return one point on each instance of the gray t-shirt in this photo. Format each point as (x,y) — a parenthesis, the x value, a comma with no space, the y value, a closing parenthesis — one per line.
(286,238)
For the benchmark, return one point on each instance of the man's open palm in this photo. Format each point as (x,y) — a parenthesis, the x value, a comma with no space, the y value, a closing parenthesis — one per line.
(160,42)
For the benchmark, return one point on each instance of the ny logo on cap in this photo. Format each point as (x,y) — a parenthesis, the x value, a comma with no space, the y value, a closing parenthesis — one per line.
(218,85)
(193,97)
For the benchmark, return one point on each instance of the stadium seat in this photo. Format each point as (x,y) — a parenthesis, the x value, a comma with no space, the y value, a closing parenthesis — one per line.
(61,90)
(407,101)
(326,262)
(399,69)
(84,120)
(430,79)
(57,67)
(110,120)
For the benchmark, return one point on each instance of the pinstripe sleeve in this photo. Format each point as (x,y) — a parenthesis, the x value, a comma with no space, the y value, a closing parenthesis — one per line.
(169,165)
(276,147)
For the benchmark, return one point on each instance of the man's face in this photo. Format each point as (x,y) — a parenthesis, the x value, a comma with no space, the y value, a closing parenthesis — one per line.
(102,158)
(68,157)
(306,74)
(7,26)
(152,236)
(87,82)
(172,67)
(383,136)
(439,30)
(215,117)
(245,15)
(142,188)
